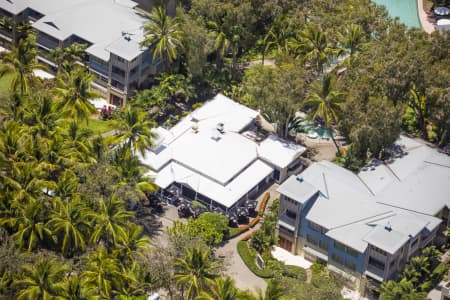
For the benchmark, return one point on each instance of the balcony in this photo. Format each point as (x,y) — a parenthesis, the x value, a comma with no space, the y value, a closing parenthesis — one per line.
(287,219)
(374,270)
(99,68)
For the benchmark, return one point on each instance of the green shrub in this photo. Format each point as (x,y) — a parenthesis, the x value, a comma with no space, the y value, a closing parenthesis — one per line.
(249,260)
(195,204)
(317,268)
(294,272)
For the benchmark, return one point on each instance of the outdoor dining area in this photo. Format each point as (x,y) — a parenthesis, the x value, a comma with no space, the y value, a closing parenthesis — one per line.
(193,208)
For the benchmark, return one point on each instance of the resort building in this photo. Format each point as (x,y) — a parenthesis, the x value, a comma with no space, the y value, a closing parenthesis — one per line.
(367,226)
(218,156)
(111,30)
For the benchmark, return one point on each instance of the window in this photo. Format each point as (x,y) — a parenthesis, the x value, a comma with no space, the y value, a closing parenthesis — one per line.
(414,243)
(376,263)
(351,265)
(392,264)
(291,214)
(339,246)
(323,245)
(120,59)
(338,259)
(118,71)
(312,240)
(316,227)
(352,252)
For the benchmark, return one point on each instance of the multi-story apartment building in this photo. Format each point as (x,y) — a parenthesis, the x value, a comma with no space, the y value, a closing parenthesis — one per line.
(367,226)
(111,29)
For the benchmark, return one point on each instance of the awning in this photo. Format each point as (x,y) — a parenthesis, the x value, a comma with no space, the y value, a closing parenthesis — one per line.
(374,276)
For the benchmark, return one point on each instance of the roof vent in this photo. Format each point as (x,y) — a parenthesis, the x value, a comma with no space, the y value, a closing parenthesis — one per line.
(220,128)
(388,227)
(195,127)
(299,178)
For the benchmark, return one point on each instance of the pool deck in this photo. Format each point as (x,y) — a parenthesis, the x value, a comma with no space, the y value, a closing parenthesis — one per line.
(427,26)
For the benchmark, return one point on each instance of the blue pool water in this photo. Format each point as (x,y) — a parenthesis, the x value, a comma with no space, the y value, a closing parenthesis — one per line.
(406,10)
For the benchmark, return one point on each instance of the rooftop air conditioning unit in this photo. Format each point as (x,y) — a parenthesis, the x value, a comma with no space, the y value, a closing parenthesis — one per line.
(299,178)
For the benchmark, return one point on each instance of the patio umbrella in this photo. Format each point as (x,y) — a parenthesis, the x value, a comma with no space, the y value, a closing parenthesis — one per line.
(442,11)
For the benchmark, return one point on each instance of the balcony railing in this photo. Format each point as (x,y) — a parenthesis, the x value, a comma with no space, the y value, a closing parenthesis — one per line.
(288,220)
(375,270)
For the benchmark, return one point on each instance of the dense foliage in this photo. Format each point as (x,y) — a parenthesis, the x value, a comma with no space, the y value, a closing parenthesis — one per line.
(68,228)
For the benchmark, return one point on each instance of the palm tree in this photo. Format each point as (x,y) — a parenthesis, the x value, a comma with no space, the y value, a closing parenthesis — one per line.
(28,224)
(76,145)
(196,272)
(134,130)
(103,273)
(353,39)
(41,117)
(404,289)
(222,289)
(70,223)
(278,37)
(324,102)
(22,61)
(132,243)
(74,95)
(312,46)
(163,36)
(273,291)
(110,219)
(75,289)
(419,104)
(42,280)
(221,42)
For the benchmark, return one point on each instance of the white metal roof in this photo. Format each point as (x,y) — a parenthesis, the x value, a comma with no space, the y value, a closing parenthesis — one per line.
(297,189)
(226,195)
(220,161)
(104,23)
(389,240)
(279,152)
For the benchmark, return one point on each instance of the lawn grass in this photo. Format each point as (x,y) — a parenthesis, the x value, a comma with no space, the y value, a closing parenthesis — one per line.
(99,126)
(5,83)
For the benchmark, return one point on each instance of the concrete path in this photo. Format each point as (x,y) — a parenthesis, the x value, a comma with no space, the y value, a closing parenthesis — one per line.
(235,266)
(427,26)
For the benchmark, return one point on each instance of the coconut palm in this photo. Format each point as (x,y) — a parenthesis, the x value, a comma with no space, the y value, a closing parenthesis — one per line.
(110,220)
(41,117)
(163,36)
(324,102)
(103,273)
(132,243)
(312,46)
(278,37)
(195,272)
(221,42)
(352,39)
(41,280)
(21,61)
(69,221)
(76,145)
(28,222)
(74,94)
(404,289)
(221,289)
(75,289)
(134,129)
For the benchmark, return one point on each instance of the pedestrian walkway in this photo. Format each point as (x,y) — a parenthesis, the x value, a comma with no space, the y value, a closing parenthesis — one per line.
(427,26)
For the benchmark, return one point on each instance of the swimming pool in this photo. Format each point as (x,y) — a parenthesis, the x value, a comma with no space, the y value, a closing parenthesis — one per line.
(314,131)
(406,10)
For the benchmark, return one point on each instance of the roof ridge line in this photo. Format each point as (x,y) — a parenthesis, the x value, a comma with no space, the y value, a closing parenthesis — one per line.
(365,184)
(389,213)
(436,164)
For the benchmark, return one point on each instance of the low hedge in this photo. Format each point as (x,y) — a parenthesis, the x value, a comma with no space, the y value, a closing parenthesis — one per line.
(249,260)
(295,272)
(262,205)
